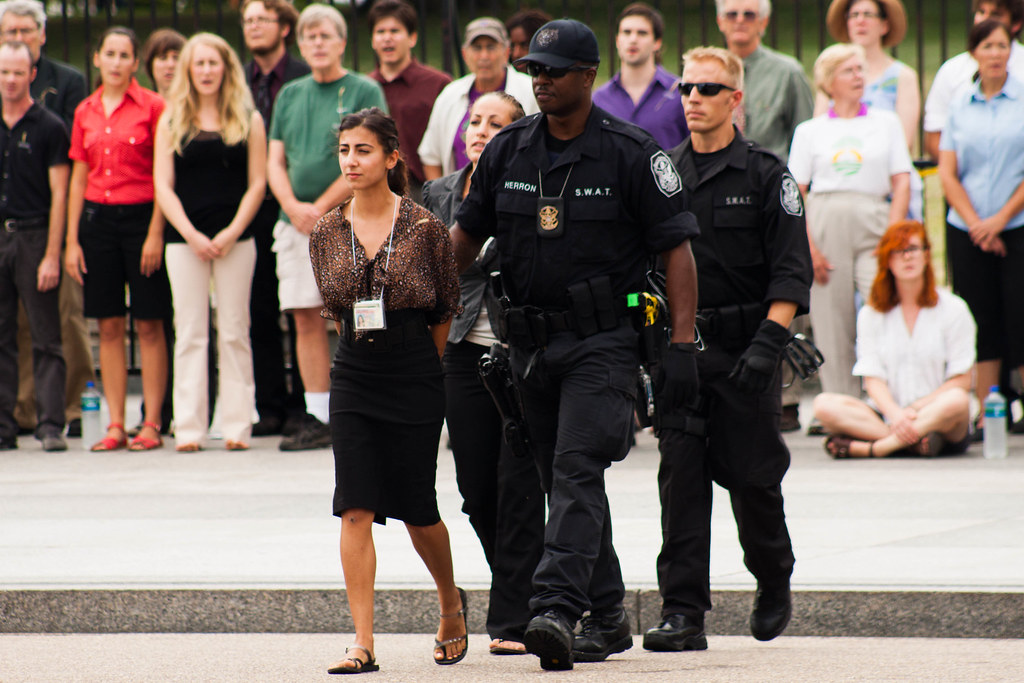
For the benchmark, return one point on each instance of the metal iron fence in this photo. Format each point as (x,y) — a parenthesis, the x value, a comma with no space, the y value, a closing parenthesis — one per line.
(797,27)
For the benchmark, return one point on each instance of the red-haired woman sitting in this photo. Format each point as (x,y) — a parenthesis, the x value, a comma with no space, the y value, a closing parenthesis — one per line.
(915,349)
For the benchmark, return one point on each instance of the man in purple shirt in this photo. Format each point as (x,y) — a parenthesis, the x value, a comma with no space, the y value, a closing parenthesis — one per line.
(409,87)
(643,92)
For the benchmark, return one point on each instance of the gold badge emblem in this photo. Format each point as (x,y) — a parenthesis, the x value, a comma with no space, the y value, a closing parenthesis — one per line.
(549,218)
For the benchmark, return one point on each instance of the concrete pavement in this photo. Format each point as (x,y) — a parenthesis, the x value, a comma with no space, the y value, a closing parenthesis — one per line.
(245,542)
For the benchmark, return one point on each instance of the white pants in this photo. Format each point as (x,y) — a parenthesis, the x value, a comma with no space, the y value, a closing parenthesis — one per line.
(846,227)
(190,285)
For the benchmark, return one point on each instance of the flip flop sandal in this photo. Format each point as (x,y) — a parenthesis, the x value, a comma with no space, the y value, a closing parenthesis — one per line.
(838,446)
(442,644)
(930,446)
(500,646)
(362,665)
(109,443)
(236,445)
(142,443)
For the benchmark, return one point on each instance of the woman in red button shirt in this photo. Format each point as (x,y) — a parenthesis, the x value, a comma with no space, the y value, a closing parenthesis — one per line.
(115,233)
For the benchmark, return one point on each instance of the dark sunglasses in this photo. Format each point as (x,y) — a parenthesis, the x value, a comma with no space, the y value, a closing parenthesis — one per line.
(747,16)
(535,69)
(705,89)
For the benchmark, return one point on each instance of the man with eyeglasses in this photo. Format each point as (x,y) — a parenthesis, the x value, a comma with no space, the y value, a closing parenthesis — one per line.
(578,201)
(302,168)
(268,28)
(777,99)
(778,95)
(643,91)
(58,87)
(755,273)
(485,51)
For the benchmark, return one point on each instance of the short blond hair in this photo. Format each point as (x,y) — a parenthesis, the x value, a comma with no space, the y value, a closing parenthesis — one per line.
(733,65)
(317,14)
(829,60)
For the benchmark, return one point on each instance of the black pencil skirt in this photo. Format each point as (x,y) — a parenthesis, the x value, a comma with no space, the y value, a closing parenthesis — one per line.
(386,413)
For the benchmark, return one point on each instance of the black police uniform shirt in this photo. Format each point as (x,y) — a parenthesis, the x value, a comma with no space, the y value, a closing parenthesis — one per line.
(622,202)
(37,142)
(753,246)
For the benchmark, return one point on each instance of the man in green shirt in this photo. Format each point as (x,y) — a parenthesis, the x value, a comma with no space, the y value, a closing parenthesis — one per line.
(304,175)
(776,98)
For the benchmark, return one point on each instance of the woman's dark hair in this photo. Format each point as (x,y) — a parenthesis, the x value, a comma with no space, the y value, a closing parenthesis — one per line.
(384,128)
(119,31)
(979,32)
(159,43)
(529,19)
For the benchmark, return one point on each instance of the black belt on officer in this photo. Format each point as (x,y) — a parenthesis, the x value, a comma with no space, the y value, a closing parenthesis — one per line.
(25,224)
(731,327)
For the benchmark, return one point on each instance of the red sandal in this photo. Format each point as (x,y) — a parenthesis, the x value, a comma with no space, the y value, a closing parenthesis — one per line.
(109,443)
(142,443)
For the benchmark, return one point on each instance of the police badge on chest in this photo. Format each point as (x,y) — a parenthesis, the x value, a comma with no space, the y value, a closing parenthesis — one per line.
(550,217)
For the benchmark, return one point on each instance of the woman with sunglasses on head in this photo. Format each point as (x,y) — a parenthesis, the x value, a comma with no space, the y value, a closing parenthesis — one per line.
(852,165)
(211,136)
(981,165)
(115,231)
(915,349)
(501,493)
(385,269)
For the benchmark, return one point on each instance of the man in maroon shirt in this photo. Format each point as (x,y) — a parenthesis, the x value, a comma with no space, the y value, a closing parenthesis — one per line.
(409,87)
(269,30)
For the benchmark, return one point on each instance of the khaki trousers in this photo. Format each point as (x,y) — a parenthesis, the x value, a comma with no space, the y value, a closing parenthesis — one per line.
(846,227)
(190,280)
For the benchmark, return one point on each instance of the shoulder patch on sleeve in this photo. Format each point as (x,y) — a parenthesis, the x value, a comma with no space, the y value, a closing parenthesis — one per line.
(665,175)
(789,196)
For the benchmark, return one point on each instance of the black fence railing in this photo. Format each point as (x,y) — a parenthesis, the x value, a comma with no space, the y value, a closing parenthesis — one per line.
(937,28)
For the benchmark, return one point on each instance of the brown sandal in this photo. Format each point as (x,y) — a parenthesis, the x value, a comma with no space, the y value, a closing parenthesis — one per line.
(838,446)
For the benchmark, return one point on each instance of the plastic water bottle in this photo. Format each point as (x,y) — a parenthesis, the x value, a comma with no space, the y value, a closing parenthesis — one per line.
(92,427)
(995,424)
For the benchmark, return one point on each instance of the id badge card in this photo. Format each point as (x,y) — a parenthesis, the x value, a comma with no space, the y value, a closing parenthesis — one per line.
(550,217)
(369,315)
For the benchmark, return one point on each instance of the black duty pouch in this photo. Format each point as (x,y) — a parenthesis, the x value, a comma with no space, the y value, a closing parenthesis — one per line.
(550,217)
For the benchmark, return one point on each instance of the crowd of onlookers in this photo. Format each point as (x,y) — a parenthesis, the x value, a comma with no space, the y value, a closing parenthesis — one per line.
(205,190)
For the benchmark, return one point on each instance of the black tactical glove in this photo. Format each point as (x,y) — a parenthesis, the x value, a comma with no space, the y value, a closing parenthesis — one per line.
(679,384)
(756,367)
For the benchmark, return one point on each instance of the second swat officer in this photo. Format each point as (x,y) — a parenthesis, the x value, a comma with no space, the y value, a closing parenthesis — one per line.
(578,201)
(755,274)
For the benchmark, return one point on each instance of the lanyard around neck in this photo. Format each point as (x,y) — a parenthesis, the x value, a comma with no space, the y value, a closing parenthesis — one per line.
(391,239)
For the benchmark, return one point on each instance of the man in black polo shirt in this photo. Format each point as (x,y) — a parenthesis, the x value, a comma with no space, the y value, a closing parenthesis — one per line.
(34,173)
(58,87)
(269,29)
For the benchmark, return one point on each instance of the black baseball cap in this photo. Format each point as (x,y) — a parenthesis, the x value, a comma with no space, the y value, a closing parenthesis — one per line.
(562,43)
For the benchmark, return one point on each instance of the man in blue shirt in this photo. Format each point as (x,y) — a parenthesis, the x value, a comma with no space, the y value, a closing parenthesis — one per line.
(643,92)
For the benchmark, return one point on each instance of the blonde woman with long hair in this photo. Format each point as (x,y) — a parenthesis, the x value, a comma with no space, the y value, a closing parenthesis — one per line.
(210,177)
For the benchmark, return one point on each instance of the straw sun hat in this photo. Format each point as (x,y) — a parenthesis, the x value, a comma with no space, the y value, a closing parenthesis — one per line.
(894,14)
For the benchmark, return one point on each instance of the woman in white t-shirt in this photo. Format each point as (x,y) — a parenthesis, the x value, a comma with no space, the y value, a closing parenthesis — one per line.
(853,167)
(915,349)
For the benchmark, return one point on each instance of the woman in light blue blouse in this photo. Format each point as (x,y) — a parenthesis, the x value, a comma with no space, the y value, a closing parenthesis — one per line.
(981,164)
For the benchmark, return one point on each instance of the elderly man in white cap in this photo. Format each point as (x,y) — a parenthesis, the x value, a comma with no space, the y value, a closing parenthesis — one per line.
(485,50)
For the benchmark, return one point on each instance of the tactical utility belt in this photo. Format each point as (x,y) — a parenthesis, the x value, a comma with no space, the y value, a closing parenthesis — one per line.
(592,309)
(731,327)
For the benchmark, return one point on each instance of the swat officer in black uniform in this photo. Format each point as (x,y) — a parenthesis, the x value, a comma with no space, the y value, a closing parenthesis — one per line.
(578,201)
(755,274)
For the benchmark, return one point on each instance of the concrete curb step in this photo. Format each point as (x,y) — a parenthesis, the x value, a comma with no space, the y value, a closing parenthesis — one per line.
(816,613)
